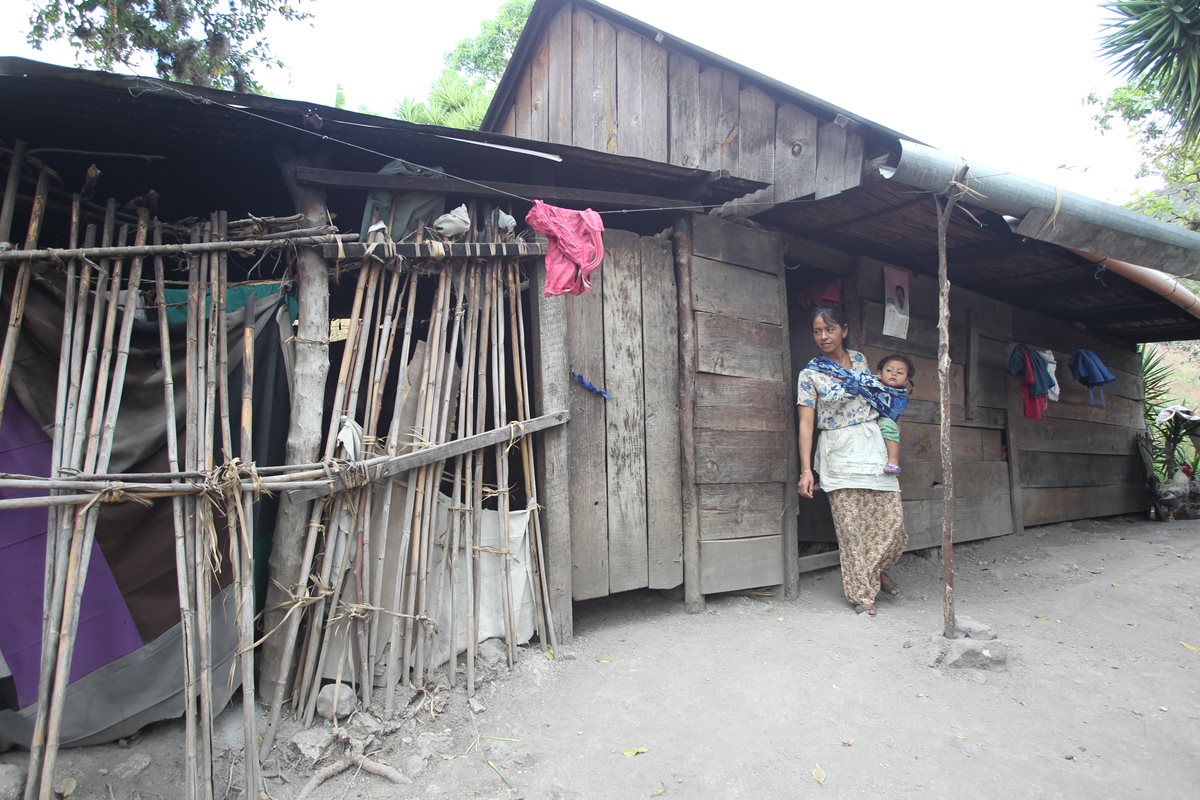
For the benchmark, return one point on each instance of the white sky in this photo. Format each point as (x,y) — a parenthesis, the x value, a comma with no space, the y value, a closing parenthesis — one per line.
(998,83)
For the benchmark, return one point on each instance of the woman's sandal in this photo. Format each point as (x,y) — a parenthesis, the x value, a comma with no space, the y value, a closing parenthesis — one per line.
(865,608)
(889,586)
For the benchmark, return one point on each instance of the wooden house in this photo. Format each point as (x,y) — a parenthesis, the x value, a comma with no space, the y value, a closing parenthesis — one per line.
(842,199)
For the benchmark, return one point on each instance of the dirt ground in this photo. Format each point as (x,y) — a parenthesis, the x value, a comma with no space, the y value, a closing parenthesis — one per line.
(764,698)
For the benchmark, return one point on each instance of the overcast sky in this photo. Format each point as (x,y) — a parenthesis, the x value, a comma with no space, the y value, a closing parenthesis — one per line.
(998,83)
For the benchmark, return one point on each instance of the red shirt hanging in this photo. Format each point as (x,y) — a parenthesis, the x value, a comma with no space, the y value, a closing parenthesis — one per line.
(574,248)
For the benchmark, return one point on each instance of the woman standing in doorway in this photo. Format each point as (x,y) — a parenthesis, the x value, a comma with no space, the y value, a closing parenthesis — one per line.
(837,395)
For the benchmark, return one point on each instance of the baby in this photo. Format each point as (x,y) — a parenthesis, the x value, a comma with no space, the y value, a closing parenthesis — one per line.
(896,371)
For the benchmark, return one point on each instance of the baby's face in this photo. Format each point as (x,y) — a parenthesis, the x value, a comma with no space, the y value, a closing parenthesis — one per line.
(894,374)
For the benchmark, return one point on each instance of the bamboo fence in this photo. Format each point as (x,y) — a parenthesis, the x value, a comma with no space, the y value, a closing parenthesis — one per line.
(432,395)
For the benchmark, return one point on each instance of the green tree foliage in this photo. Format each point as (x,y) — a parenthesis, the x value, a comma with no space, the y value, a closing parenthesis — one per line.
(486,55)
(214,43)
(1166,154)
(1156,44)
(460,96)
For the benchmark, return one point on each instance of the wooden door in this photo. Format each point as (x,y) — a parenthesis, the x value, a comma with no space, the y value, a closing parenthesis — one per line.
(625,501)
(745,451)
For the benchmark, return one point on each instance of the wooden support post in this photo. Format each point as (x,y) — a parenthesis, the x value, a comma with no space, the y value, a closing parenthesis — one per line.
(945,207)
(551,374)
(693,599)
(791,505)
(304,432)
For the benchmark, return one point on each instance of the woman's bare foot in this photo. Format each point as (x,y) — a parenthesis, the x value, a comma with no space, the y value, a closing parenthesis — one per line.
(888,585)
(865,608)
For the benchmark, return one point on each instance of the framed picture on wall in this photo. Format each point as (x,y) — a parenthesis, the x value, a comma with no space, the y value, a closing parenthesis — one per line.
(895,303)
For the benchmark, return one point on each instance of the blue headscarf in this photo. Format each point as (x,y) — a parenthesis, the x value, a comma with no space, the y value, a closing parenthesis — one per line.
(890,402)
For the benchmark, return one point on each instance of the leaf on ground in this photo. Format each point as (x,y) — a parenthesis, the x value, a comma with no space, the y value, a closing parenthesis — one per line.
(66,787)
(500,772)
(819,774)
(604,660)
(1191,647)
(549,654)
(634,751)
(660,791)
(847,743)
(1115,584)
(1042,617)
(959,736)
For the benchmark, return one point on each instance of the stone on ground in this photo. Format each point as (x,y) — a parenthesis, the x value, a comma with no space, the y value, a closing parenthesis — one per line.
(336,698)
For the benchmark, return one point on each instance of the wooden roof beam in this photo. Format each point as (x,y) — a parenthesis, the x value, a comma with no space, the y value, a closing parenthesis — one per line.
(367,181)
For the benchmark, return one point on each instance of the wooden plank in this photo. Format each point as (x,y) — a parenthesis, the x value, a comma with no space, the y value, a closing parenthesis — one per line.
(586,437)
(683,101)
(991,444)
(795,153)
(853,165)
(756,115)
(660,339)
(718,122)
(971,386)
(653,77)
(920,441)
(522,106)
(630,132)
(787,526)
(1116,410)
(1038,329)
(741,404)
(551,389)
(585,95)
(369,180)
(604,81)
(1043,506)
(719,240)
(509,126)
(831,158)
(731,564)
(559,42)
(740,456)
(539,91)
(929,412)
(975,518)
(625,429)
(1049,470)
(734,291)
(682,235)
(738,347)
(922,480)
(740,510)
(1050,435)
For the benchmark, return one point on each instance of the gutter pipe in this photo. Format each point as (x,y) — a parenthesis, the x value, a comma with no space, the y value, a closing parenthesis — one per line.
(1051,214)
(1156,281)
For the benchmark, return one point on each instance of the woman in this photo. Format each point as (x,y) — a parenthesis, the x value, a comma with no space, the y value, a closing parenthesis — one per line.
(832,395)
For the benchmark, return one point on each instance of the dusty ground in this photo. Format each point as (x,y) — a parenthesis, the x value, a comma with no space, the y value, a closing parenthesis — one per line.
(1100,698)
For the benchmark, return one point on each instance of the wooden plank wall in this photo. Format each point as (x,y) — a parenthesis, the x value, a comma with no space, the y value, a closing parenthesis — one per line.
(593,84)
(1076,462)
(743,444)
(625,505)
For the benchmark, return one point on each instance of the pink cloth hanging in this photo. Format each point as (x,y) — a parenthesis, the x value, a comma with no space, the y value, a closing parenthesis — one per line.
(574,248)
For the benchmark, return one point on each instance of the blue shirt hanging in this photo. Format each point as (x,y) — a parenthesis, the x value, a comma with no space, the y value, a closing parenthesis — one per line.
(1088,369)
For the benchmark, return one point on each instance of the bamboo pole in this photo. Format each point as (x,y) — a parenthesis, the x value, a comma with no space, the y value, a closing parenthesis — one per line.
(16,313)
(85,519)
(466,463)
(541,589)
(11,188)
(279,242)
(481,388)
(53,614)
(187,616)
(500,414)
